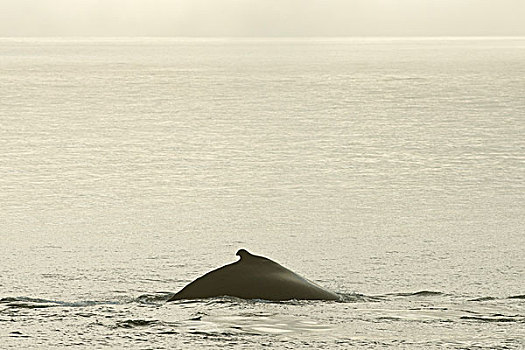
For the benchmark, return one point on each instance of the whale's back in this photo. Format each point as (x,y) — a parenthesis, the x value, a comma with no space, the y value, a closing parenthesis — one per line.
(254,277)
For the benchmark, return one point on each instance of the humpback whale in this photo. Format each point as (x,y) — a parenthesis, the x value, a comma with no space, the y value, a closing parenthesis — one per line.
(254,277)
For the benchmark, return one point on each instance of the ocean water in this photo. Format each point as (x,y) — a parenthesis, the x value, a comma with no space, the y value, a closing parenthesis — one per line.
(390,171)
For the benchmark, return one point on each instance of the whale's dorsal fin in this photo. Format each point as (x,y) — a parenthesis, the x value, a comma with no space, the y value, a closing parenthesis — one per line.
(247,257)
(244,254)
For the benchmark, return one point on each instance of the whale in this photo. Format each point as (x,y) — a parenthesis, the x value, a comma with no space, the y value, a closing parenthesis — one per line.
(254,277)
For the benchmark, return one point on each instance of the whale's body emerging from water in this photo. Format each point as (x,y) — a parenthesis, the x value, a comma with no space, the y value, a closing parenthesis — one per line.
(254,277)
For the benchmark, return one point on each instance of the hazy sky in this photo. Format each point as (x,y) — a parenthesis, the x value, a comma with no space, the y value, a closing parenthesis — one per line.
(261,17)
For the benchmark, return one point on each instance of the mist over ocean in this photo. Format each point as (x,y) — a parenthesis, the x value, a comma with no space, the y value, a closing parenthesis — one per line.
(390,171)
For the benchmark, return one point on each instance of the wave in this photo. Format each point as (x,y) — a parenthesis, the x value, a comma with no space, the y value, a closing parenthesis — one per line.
(494,318)
(427,293)
(159,298)
(422,293)
(135,323)
(483,299)
(37,303)
(517,297)
(358,298)
(154,298)
(490,298)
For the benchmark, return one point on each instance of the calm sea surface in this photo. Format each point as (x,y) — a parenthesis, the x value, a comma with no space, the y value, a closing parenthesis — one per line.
(391,171)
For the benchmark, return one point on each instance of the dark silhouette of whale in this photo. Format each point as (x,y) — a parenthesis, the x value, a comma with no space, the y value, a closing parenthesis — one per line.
(254,277)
